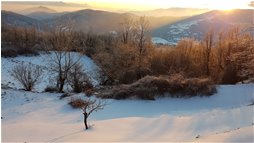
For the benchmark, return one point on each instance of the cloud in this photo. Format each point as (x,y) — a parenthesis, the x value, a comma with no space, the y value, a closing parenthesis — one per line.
(251,3)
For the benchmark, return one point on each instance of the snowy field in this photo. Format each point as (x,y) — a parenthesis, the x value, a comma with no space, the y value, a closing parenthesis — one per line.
(41,117)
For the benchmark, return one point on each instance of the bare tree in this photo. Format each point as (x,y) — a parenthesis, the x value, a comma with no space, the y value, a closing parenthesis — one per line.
(89,106)
(126,30)
(60,43)
(142,39)
(220,52)
(27,75)
(207,47)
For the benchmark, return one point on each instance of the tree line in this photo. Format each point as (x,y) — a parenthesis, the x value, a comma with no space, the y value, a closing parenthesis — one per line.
(128,55)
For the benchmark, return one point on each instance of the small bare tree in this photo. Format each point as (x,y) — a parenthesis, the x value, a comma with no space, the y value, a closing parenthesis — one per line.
(89,106)
(27,75)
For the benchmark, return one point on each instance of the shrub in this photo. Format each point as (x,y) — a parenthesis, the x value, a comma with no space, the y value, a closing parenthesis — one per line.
(27,75)
(77,79)
(77,103)
(183,87)
(150,87)
(230,74)
(197,86)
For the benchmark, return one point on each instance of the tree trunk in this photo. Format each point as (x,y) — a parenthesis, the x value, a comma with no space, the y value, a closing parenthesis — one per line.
(61,84)
(207,67)
(85,120)
(139,75)
(61,87)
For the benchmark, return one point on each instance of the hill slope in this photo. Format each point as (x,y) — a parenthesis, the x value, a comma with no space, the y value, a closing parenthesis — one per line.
(84,20)
(14,19)
(103,21)
(197,26)
(226,116)
(39,9)
(173,11)
(41,13)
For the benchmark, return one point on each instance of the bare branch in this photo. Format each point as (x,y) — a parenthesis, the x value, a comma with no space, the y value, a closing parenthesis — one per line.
(27,75)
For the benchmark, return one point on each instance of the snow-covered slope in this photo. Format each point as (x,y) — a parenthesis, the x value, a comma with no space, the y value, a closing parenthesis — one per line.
(33,117)
(43,60)
(158,40)
(41,117)
(197,26)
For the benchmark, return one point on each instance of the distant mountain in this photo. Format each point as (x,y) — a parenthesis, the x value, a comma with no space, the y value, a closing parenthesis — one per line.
(14,19)
(174,11)
(85,20)
(197,26)
(102,21)
(41,13)
(45,15)
(39,9)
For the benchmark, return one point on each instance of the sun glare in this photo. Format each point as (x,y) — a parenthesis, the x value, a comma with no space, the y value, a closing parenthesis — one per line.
(226,5)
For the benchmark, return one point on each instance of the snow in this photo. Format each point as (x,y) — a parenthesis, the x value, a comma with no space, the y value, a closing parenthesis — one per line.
(184,29)
(244,134)
(42,117)
(181,27)
(158,40)
(43,60)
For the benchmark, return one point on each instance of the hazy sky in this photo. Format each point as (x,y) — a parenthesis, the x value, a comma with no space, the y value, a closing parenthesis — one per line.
(154,4)
(125,5)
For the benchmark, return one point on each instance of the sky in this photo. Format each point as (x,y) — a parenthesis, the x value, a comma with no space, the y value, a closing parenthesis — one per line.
(141,5)
(155,4)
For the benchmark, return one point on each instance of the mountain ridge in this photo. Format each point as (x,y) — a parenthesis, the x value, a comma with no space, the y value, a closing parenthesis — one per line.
(197,26)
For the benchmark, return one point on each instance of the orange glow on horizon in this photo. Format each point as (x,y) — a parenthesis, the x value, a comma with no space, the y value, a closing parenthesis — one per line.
(155,4)
(141,5)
